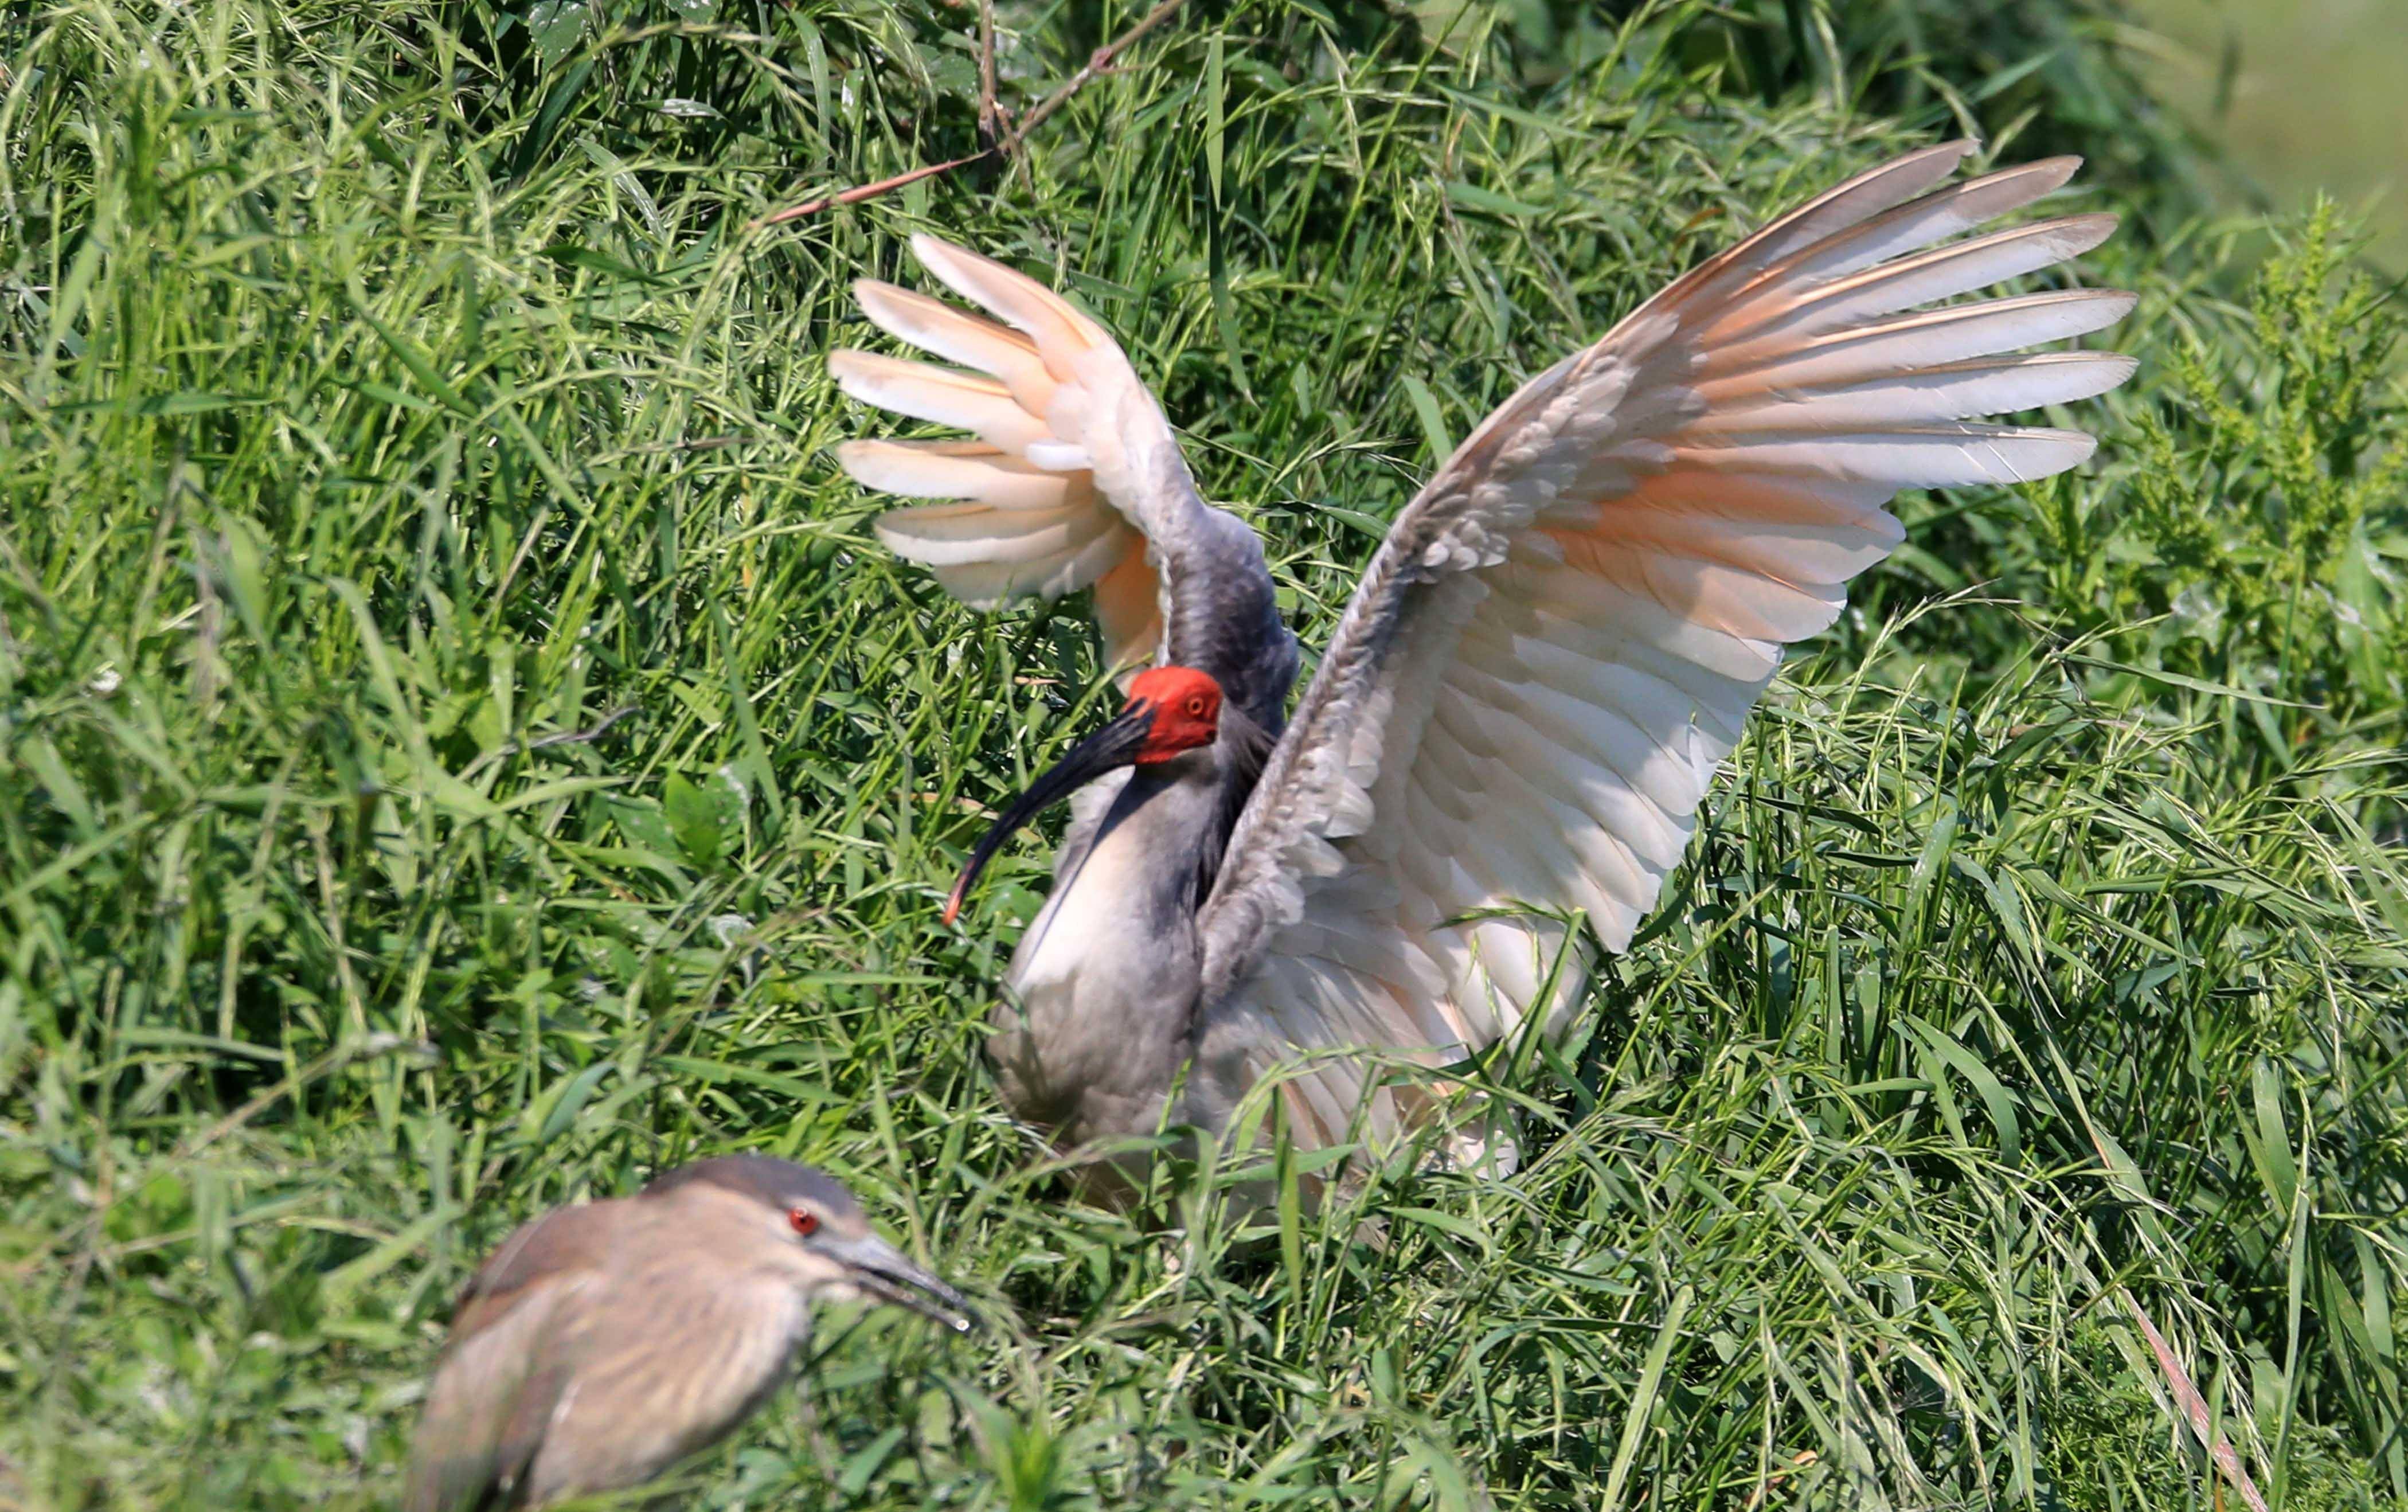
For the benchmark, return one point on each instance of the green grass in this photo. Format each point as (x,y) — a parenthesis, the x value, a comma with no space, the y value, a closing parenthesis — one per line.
(460,750)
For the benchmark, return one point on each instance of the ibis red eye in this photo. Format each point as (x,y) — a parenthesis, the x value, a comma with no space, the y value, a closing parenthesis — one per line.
(806,1222)
(1196,708)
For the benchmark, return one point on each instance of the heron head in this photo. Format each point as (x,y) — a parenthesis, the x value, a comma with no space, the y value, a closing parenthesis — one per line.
(1170,712)
(822,1238)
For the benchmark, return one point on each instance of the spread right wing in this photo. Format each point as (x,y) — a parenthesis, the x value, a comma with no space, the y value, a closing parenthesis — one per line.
(1561,638)
(1074,480)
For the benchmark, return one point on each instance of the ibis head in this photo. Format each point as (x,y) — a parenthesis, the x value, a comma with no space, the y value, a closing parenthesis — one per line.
(1170,711)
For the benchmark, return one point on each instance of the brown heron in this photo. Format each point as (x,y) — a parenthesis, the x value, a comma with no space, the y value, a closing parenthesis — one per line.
(1501,754)
(602,1344)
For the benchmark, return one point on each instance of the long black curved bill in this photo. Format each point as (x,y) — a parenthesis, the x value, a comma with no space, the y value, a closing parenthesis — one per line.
(1113,746)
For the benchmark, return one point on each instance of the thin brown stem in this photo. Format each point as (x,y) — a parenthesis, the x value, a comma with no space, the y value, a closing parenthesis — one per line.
(990,122)
(862,192)
(1099,63)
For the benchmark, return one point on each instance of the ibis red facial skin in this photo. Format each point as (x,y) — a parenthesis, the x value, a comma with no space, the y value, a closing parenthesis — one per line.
(1501,754)
(602,1344)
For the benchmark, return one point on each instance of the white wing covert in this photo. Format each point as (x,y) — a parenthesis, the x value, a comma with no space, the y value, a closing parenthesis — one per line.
(1562,635)
(1074,480)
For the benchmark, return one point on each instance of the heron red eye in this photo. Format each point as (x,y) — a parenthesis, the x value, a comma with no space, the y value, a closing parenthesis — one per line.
(806,1222)
(1196,708)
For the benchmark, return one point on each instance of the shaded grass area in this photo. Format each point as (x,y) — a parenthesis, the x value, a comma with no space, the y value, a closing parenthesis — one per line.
(462,750)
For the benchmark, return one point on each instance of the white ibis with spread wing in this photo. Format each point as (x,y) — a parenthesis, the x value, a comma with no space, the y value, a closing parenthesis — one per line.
(1544,664)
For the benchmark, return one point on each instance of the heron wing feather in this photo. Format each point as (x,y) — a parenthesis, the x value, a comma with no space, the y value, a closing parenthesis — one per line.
(493,1392)
(1561,638)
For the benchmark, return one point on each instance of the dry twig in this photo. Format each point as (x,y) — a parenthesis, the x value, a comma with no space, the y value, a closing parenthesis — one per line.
(2194,1409)
(990,121)
(2186,1400)
(1099,63)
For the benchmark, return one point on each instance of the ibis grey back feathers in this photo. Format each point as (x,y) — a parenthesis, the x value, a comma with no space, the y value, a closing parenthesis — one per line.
(1225,619)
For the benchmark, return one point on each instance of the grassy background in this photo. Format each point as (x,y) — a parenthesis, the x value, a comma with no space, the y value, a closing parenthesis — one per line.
(460,750)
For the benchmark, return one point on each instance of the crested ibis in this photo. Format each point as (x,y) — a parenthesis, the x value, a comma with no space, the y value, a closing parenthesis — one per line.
(1545,662)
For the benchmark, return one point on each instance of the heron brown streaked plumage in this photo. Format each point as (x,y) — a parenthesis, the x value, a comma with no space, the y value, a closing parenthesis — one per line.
(602,1344)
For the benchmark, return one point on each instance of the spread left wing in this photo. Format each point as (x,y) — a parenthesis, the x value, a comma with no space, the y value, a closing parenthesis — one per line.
(1562,633)
(1074,480)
